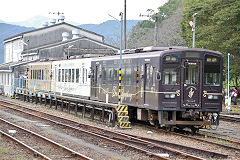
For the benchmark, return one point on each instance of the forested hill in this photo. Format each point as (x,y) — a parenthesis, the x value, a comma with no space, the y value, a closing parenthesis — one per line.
(170,15)
(217,28)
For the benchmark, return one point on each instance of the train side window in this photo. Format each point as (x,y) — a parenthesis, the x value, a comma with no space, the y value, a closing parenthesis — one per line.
(128,75)
(86,76)
(115,76)
(104,75)
(123,77)
(59,75)
(153,77)
(63,75)
(42,74)
(109,75)
(83,73)
(31,75)
(69,75)
(66,75)
(73,75)
(77,75)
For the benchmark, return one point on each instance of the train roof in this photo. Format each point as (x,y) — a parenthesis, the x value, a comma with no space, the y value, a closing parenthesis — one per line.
(153,52)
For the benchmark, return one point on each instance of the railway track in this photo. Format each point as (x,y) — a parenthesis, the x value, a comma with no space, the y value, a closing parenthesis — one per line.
(205,137)
(147,146)
(41,146)
(230,118)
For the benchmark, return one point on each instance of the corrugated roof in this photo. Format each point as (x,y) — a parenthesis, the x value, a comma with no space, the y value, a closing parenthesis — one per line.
(20,34)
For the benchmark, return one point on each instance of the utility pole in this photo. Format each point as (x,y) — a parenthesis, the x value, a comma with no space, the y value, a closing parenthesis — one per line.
(155,29)
(120,60)
(120,65)
(155,17)
(193,29)
(228,86)
(125,24)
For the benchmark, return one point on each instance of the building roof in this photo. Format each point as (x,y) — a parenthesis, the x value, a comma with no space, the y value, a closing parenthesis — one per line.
(50,26)
(66,42)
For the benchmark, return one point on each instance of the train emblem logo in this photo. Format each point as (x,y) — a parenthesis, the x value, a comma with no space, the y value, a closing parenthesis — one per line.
(191,91)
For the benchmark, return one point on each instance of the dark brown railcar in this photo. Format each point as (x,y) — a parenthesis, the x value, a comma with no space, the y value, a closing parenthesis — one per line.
(173,87)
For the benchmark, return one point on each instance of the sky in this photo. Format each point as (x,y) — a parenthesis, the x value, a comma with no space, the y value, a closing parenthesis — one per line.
(80,11)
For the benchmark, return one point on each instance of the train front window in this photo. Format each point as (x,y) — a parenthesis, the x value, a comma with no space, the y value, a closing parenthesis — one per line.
(211,70)
(171,70)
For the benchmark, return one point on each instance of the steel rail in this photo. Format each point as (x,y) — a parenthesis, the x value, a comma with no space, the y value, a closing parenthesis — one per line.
(199,139)
(35,152)
(94,134)
(83,157)
(230,118)
(114,134)
(158,142)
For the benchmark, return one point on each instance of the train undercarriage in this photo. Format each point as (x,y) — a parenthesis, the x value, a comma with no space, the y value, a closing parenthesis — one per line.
(179,119)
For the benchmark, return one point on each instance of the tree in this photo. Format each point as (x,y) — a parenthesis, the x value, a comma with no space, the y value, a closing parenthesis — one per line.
(217,28)
(168,33)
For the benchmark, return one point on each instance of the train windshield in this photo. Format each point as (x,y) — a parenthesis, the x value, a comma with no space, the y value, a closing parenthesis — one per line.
(211,70)
(171,70)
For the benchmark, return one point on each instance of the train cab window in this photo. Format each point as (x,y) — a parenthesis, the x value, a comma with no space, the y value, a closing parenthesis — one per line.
(171,70)
(77,75)
(211,70)
(31,74)
(192,73)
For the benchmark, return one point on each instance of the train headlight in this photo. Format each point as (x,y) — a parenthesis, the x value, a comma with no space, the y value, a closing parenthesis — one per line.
(172,95)
(169,96)
(212,97)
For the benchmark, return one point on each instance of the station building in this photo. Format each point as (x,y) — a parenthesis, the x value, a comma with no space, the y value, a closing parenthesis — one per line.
(55,41)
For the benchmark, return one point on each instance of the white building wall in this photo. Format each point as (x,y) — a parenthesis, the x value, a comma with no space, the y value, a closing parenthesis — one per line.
(8,52)
(13,50)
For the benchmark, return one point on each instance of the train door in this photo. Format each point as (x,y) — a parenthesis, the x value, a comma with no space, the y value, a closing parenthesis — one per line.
(95,73)
(191,88)
(146,83)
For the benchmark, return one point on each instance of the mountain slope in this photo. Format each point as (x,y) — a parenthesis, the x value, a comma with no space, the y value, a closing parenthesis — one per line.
(36,22)
(8,30)
(110,30)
